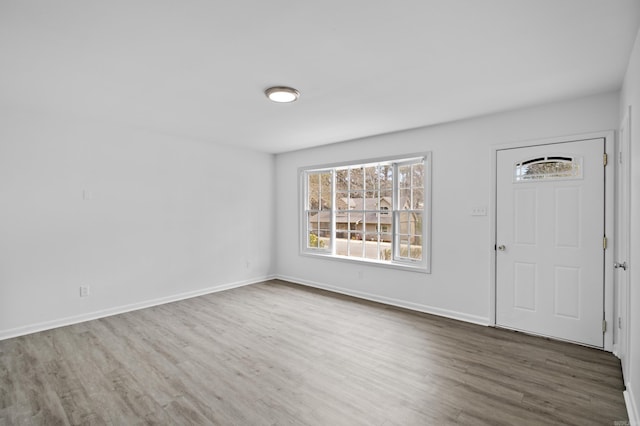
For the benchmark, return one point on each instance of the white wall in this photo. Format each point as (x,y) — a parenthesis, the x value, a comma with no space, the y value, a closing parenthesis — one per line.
(459,285)
(630,96)
(168,217)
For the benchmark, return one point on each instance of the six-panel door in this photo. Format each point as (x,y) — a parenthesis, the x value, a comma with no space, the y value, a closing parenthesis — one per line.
(549,233)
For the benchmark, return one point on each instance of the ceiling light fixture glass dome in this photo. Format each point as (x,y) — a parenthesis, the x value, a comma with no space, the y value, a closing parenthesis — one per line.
(282,94)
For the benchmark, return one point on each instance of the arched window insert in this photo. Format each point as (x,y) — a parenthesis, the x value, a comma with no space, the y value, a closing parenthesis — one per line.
(548,168)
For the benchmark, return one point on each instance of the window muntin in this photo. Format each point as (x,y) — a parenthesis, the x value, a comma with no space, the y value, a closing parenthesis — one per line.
(377,212)
(548,168)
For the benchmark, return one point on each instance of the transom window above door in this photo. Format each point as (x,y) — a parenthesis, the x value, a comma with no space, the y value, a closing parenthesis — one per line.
(371,211)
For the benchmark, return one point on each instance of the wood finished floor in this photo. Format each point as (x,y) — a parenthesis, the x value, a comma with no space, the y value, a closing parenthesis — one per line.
(276,354)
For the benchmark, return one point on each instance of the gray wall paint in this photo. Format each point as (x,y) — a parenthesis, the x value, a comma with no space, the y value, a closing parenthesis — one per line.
(459,285)
(167,216)
(630,96)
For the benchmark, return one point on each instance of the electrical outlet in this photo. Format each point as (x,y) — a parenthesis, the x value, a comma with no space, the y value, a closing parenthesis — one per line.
(84,291)
(479,211)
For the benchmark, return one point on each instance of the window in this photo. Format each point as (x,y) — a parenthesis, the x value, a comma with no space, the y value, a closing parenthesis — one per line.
(548,168)
(376,211)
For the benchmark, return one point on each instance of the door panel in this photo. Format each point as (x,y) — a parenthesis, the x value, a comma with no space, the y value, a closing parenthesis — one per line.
(525,286)
(549,230)
(525,215)
(568,217)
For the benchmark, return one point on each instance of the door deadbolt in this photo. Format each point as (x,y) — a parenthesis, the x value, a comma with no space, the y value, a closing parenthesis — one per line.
(501,247)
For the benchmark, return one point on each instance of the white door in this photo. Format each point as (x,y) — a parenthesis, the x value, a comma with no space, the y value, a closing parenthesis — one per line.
(549,240)
(623,225)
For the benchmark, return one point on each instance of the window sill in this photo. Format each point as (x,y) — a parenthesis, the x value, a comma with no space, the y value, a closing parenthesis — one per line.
(355,260)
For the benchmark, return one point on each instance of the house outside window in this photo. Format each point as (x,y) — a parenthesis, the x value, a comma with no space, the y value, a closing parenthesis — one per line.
(373,211)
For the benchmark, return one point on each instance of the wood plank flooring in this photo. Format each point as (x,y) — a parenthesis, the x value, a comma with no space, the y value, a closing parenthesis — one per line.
(278,354)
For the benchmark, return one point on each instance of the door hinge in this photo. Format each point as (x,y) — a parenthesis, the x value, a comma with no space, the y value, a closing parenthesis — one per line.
(605,159)
(604,243)
(604,326)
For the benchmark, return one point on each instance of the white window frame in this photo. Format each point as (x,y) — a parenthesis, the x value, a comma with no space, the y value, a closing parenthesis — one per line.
(423,265)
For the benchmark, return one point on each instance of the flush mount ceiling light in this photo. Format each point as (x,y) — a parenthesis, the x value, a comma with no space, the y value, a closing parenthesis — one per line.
(282,94)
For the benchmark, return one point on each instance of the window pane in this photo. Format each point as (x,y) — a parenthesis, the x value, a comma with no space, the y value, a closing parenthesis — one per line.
(386,177)
(403,249)
(341,228)
(313,191)
(355,199)
(404,199)
(313,226)
(415,252)
(356,179)
(342,180)
(324,230)
(385,252)
(325,191)
(371,250)
(372,195)
(372,236)
(342,201)
(403,222)
(417,198)
(312,222)
(355,221)
(417,173)
(384,219)
(371,180)
(313,240)
(355,244)
(550,167)
(416,223)
(404,176)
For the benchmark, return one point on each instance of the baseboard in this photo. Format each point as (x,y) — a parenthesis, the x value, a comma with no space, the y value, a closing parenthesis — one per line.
(615,350)
(34,328)
(461,316)
(632,408)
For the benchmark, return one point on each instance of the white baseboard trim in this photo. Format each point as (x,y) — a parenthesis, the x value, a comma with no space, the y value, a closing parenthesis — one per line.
(632,408)
(461,316)
(615,350)
(47,325)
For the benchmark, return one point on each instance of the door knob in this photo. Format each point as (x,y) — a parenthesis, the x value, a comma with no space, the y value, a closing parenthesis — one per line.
(622,265)
(501,247)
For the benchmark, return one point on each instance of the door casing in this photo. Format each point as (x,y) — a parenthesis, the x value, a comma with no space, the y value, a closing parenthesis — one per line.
(609,303)
(623,216)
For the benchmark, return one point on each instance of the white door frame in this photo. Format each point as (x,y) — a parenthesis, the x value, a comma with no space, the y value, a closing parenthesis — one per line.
(610,149)
(623,204)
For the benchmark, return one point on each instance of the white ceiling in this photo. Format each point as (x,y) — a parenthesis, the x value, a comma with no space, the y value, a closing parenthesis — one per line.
(198,68)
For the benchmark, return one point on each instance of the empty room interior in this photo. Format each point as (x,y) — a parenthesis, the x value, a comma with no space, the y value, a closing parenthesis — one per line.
(340,212)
